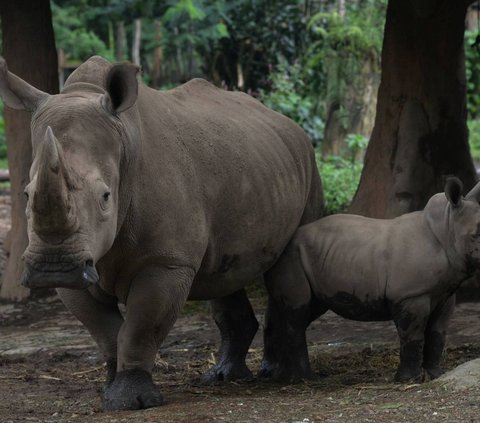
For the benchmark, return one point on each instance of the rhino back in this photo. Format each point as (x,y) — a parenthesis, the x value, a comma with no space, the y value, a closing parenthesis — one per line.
(224,180)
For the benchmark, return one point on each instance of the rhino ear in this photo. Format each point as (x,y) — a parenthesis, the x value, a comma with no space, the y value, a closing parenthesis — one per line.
(122,87)
(453,191)
(16,93)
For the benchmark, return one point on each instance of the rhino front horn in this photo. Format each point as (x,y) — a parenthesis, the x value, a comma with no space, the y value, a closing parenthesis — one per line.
(52,206)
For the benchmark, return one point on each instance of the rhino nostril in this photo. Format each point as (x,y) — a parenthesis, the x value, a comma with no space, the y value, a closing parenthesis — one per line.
(89,263)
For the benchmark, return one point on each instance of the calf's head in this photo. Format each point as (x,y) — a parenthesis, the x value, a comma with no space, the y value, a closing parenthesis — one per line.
(73,194)
(455,221)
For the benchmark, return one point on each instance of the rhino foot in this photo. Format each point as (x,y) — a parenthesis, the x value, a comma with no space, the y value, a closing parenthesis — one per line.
(132,390)
(285,374)
(111,367)
(227,372)
(434,372)
(409,375)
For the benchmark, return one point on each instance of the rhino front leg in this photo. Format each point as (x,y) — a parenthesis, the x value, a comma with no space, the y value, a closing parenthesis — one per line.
(156,297)
(290,310)
(101,318)
(410,317)
(435,334)
(238,325)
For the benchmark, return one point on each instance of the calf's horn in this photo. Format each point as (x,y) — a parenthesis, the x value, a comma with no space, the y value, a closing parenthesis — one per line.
(52,206)
(474,193)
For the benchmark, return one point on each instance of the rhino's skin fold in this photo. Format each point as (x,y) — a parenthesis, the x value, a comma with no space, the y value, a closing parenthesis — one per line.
(405,269)
(187,193)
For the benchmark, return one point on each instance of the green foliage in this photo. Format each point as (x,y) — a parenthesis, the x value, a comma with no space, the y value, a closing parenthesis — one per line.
(287,97)
(72,35)
(472,68)
(261,32)
(356,143)
(339,46)
(474,138)
(340,179)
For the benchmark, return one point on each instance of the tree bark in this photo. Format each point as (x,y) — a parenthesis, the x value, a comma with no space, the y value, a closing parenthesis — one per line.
(420,132)
(137,35)
(29,49)
(157,55)
(120,42)
(341,8)
(359,103)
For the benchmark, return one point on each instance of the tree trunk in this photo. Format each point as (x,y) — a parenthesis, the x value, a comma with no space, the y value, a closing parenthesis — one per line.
(333,143)
(420,132)
(29,48)
(137,35)
(178,57)
(120,42)
(472,18)
(341,9)
(157,55)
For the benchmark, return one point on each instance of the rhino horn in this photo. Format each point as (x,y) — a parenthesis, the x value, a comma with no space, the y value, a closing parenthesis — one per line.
(474,193)
(52,205)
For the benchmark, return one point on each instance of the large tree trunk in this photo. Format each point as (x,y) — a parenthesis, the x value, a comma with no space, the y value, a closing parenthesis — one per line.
(29,48)
(157,54)
(420,132)
(359,100)
(137,36)
(120,41)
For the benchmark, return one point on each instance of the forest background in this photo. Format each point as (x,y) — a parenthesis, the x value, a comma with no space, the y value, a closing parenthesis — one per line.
(315,61)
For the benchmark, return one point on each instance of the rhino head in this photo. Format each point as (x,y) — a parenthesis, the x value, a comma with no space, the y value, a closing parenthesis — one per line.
(455,221)
(73,194)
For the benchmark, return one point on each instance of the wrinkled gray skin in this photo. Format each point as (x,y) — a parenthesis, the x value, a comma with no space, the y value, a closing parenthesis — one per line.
(151,198)
(405,269)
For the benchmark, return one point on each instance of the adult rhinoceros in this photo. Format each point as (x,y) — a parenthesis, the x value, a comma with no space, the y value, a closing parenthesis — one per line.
(151,198)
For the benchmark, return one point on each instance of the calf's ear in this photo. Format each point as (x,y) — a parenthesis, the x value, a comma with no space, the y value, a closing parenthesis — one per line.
(453,191)
(16,93)
(122,87)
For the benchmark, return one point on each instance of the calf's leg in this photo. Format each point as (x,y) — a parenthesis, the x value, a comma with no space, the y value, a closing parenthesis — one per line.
(410,317)
(236,321)
(288,314)
(435,337)
(156,296)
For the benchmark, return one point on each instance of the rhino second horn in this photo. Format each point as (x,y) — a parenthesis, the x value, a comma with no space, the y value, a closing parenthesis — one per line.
(52,203)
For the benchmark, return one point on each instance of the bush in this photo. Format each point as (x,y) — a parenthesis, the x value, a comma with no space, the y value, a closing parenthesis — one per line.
(287,97)
(474,138)
(472,69)
(340,179)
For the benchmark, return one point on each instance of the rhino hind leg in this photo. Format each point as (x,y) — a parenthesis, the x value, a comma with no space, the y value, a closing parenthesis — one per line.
(435,335)
(234,317)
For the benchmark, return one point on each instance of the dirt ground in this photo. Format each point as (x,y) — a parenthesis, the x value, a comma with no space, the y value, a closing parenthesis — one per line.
(50,371)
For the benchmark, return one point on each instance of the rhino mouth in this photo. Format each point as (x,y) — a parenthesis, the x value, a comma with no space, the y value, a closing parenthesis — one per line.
(73,277)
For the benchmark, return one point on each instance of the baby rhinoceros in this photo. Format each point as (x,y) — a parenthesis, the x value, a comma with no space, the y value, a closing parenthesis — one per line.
(405,269)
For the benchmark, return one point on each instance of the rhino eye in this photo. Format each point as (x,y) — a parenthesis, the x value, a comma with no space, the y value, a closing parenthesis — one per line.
(106,196)
(25,193)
